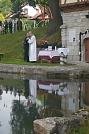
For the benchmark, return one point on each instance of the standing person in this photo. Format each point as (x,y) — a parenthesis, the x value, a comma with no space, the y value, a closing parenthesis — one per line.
(19,25)
(3,30)
(26,48)
(6,26)
(15,22)
(32,47)
(10,26)
(13,25)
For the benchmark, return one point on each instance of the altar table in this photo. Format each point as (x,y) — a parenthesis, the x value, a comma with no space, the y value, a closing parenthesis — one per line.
(52,55)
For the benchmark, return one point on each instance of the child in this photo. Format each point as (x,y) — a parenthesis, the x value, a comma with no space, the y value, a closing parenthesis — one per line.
(3,29)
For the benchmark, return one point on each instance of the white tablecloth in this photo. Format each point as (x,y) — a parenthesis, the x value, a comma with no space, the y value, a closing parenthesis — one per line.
(64,50)
(48,53)
(49,87)
(64,92)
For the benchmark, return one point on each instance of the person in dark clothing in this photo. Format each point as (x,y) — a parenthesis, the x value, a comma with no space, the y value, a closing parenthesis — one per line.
(19,25)
(26,48)
(10,26)
(6,26)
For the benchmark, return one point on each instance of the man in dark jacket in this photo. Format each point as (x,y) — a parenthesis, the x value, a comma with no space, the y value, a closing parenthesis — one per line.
(26,48)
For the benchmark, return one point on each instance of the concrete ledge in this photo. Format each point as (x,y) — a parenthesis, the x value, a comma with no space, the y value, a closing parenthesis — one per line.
(75,71)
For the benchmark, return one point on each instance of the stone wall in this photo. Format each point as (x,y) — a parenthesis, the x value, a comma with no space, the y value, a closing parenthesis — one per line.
(78,22)
(61,125)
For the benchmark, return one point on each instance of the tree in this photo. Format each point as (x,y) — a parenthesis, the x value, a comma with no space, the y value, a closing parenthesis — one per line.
(16,4)
(5,6)
(56,19)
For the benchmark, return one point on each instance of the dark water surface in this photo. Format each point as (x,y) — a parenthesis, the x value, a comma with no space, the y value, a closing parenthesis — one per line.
(24,100)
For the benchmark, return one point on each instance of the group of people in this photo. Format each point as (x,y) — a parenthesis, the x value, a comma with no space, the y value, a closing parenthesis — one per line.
(30,48)
(10,26)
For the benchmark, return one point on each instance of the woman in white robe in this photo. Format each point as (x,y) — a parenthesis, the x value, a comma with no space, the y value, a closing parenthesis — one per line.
(32,48)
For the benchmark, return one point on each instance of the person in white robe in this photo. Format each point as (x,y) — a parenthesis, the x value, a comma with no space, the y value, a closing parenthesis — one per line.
(32,92)
(32,48)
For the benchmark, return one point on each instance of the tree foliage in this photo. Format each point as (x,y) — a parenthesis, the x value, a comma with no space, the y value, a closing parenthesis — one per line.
(5,6)
(16,4)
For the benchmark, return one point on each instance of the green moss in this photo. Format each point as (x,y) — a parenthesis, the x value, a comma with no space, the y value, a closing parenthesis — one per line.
(83,129)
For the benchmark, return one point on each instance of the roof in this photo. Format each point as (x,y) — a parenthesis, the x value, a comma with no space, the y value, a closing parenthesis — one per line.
(75,7)
(8,15)
(35,16)
(24,15)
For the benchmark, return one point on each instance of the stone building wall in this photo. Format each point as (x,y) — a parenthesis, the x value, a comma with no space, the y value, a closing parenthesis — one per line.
(74,21)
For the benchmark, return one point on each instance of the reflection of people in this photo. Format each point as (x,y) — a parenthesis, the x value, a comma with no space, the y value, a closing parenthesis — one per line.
(26,48)
(32,92)
(6,89)
(32,47)
(26,85)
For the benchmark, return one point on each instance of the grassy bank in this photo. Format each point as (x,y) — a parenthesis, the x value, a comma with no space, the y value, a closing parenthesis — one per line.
(11,44)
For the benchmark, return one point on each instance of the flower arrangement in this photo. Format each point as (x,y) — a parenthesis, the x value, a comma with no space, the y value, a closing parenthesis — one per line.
(42,44)
(46,43)
(57,43)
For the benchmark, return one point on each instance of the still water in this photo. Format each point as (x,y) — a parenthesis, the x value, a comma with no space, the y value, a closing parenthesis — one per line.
(23,101)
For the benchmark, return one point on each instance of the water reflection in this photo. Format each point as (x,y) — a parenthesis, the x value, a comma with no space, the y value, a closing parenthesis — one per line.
(30,99)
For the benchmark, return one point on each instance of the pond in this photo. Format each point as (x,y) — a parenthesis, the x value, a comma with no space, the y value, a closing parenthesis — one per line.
(24,100)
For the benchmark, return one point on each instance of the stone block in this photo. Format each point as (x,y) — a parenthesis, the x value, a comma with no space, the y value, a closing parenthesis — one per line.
(68,124)
(45,126)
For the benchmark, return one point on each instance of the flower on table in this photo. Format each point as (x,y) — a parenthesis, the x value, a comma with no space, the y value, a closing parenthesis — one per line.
(46,43)
(42,43)
(57,43)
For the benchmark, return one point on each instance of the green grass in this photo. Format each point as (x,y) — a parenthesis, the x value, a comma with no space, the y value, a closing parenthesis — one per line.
(83,129)
(11,45)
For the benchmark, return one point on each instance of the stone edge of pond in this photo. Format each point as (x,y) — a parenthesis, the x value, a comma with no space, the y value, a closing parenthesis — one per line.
(61,125)
(50,72)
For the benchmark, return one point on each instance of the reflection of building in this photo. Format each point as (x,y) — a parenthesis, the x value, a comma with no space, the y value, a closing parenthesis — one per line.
(86,93)
(70,102)
(68,93)
(53,92)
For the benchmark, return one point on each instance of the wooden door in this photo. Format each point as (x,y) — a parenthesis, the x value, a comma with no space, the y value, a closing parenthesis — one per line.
(86,42)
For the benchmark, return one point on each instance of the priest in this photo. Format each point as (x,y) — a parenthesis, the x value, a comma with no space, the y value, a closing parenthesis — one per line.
(32,47)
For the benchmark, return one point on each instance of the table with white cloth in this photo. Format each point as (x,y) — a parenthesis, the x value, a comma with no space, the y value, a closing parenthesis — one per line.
(52,55)
(64,50)
(48,85)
